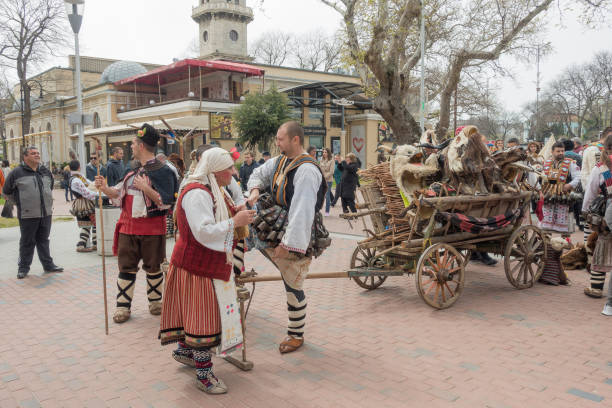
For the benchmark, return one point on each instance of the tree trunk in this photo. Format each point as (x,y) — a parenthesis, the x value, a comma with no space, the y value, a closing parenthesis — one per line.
(452,80)
(393,110)
(27,111)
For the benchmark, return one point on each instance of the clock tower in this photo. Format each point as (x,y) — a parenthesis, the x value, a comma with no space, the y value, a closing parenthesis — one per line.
(223,28)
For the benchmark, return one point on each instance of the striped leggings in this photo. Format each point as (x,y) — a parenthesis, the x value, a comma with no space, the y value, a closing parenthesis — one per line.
(597,278)
(85,234)
(293,271)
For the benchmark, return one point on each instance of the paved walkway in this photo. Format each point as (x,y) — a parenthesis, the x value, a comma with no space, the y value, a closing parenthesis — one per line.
(496,347)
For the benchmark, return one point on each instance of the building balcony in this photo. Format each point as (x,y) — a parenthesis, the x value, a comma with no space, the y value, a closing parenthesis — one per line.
(203,10)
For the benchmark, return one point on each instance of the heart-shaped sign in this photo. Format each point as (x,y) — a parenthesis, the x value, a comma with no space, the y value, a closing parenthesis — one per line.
(358,143)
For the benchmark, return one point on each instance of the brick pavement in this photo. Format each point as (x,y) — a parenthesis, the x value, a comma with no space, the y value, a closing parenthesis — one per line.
(496,347)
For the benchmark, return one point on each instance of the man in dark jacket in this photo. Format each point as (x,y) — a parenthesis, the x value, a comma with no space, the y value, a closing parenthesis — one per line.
(247,169)
(91,170)
(30,187)
(115,168)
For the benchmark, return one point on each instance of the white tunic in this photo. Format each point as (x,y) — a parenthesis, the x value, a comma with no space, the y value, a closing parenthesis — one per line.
(198,205)
(589,161)
(306,183)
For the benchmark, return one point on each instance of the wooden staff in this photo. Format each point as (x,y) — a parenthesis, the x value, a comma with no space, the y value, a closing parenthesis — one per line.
(99,151)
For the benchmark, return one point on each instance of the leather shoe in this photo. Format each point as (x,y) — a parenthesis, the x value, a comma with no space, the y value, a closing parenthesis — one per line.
(54,268)
(486,259)
(290,344)
(22,274)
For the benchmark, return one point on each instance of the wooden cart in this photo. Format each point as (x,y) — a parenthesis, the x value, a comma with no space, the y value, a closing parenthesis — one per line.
(415,241)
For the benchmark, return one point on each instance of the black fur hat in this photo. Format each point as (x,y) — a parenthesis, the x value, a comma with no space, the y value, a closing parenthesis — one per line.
(149,135)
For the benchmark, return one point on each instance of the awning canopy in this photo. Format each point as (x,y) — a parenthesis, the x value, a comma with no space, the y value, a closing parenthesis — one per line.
(184,69)
(185,123)
(337,90)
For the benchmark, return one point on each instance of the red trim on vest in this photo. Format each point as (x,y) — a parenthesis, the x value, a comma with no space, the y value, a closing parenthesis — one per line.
(192,256)
(563,172)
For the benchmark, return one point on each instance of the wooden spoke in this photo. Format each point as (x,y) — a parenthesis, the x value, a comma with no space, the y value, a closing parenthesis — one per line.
(444,260)
(433,265)
(431,286)
(360,259)
(454,270)
(449,289)
(530,272)
(437,294)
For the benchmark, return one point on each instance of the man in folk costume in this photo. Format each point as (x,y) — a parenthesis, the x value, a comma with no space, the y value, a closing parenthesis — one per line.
(200,309)
(83,208)
(297,184)
(145,195)
(563,175)
(600,184)
(591,156)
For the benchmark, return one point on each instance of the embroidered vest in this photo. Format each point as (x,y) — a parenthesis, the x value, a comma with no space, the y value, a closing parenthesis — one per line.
(192,256)
(282,182)
(83,179)
(606,186)
(561,174)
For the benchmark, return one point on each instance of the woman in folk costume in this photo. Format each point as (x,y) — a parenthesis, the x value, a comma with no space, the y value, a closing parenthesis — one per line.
(600,182)
(200,310)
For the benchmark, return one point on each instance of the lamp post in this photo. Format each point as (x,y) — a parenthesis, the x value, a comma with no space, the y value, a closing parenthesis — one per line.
(74,9)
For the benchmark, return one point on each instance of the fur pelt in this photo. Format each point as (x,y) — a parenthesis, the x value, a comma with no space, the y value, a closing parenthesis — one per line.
(592,241)
(407,170)
(546,151)
(429,137)
(575,258)
(469,164)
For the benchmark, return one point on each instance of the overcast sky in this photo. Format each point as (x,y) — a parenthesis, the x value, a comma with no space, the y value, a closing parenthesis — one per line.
(156,31)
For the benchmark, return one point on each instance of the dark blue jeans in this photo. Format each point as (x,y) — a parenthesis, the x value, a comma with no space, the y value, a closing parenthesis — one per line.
(66,190)
(329,197)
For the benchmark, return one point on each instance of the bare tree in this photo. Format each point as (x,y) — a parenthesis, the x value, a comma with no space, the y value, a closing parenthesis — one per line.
(272,48)
(383,42)
(602,69)
(574,95)
(309,50)
(30,30)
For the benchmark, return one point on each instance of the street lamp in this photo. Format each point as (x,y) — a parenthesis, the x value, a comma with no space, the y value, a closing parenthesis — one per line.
(74,9)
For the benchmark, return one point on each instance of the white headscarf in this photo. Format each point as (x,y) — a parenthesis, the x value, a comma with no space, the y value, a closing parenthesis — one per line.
(213,160)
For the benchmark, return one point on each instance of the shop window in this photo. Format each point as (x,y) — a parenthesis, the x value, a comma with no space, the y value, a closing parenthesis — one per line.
(316,113)
(205,93)
(335,116)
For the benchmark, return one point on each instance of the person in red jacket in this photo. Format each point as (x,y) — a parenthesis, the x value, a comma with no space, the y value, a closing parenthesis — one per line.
(200,308)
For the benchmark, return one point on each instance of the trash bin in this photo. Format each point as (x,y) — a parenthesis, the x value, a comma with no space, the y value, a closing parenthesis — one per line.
(111,217)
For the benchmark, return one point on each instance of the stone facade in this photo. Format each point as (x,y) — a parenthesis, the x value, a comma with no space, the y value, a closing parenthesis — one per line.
(223,28)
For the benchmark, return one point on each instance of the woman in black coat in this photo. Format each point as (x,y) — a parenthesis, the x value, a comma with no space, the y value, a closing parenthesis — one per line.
(349,182)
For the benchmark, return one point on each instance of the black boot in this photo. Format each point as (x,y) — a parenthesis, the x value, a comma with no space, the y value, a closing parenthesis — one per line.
(486,259)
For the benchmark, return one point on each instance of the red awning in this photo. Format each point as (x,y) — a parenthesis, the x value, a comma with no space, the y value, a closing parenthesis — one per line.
(181,70)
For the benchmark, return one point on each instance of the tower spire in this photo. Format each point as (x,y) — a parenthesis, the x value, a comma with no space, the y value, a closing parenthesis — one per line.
(223,28)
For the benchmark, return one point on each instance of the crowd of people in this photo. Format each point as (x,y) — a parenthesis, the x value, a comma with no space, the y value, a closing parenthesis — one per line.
(213,207)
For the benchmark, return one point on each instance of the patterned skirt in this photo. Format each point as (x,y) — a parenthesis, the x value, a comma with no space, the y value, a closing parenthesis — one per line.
(553,270)
(190,310)
(602,255)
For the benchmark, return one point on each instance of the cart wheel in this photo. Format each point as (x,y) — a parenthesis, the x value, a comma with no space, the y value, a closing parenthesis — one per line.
(440,275)
(524,256)
(367,258)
